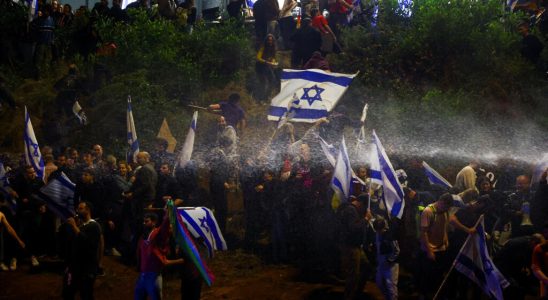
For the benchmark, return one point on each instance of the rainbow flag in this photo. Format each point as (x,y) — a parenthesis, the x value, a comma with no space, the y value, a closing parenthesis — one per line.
(184,240)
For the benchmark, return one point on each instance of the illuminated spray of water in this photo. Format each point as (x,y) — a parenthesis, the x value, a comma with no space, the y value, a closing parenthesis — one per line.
(458,140)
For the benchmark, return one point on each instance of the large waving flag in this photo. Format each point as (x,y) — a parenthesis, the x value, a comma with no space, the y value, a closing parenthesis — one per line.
(392,190)
(185,153)
(58,194)
(202,224)
(473,261)
(434,177)
(184,240)
(317,93)
(33,156)
(131,134)
(342,174)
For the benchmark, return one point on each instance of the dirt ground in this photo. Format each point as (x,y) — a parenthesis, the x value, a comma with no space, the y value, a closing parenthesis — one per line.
(238,276)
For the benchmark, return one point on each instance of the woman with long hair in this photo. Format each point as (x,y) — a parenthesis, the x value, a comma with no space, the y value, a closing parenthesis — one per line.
(266,67)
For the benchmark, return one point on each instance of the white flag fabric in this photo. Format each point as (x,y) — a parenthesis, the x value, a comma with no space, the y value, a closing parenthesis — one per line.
(331,154)
(473,261)
(59,196)
(201,223)
(342,174)
(79,113)
(33,156)
(292,108)
(392,190)
(185,153)
(317,93)
(131,134)
(33,9)
(434,177)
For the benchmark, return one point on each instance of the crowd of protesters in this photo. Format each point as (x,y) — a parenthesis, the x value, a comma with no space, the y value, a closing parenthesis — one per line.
(286,193)
(289,214)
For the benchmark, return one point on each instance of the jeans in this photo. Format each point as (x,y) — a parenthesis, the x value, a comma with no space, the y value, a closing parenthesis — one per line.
(149,284)
(387,278)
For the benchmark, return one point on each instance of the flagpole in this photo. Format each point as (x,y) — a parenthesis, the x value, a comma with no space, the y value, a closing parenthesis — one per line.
(454,261)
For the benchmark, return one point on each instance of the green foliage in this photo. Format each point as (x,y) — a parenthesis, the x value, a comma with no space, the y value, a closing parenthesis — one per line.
(163,68)
(449,57)
(184,64)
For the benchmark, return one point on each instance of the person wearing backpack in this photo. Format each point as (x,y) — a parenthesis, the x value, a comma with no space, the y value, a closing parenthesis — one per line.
(433,257)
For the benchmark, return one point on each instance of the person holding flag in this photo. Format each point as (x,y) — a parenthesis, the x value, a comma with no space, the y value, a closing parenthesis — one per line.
(152,258)
(353,216)
(433,258)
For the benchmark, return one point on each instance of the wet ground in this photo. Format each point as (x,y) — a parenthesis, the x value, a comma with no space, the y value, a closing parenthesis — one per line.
(238,276)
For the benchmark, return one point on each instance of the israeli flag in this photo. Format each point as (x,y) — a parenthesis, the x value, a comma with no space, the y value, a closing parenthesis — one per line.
(79,113)
(201,223)
(33,9)
(33,156)
(434,177)
(185,153)
(331,154)
(59,196)
(316,92)
(131,134)
(474,262)
(342,174)
(392,190)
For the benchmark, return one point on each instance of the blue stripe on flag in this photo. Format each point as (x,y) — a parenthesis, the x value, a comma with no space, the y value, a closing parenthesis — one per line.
(375,174)
(338,184)
(301,113)
(317,77)
(213,228)
(466,262)
(197,228)
(66,182)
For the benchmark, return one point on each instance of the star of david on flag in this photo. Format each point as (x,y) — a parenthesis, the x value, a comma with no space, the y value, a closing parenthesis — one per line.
(33,156)
(201,223)
(318,93)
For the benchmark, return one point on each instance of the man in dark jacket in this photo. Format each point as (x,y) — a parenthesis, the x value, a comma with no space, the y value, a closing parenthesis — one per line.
(83,259)
(305,41)
(353,218)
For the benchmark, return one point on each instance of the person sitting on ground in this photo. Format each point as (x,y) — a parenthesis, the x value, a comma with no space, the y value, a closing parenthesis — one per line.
(317,61)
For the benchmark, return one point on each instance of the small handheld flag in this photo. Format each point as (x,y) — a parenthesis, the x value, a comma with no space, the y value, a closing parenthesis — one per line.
(185,153)
(185,241)
(392,190)
(201,223)
(131,134)
(434,177)
(33,156)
